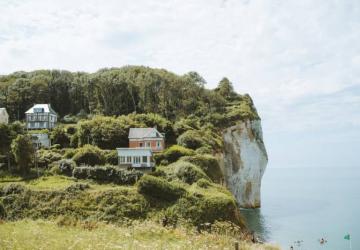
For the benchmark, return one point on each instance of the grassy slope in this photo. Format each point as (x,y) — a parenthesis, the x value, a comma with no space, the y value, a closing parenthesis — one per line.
(28,234)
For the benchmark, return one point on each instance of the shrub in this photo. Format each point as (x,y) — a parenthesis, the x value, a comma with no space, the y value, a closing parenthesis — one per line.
(198,209)
(12,189)
(64,167)
(159,188)
(78,187)
(89,155)
(208,164)
(46,157)
(191,139)
(187,172)
(204,150)
(59,136)
(111,157)
(107,174)
(2,211)
(203,183)
(173,153)
(69,153)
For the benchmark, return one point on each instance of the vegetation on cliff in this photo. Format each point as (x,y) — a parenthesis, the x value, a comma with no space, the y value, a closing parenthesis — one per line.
(76,177)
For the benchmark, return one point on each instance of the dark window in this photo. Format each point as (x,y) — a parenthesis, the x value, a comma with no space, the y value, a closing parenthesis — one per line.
(144,159)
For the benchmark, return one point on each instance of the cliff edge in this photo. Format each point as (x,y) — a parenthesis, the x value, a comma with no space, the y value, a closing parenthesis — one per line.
(244,161)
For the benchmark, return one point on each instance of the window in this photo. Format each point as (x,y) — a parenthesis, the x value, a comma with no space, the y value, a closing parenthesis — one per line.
(148,144)
(144,159)
(136,159)
(141,144)
(122,159)
(128,159)
(158,144)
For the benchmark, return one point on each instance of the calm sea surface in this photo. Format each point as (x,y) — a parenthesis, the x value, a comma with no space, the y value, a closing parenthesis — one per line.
(306,204)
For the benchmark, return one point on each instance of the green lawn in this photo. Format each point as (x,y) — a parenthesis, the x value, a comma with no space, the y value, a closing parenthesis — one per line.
(55,182)
(29,234)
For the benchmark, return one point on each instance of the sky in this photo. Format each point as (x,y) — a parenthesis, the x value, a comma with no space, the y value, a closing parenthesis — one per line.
(299,60)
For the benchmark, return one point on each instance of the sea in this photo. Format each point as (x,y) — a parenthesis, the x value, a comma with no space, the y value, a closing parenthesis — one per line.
(302,205)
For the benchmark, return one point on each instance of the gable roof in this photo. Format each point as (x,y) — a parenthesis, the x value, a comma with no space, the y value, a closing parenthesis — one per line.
(139,133)
(46,107)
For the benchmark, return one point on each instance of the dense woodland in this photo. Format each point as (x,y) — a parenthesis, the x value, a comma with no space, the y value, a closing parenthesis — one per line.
(120,91)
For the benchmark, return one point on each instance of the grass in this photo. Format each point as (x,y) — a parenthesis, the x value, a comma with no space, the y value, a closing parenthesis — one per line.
(55,182)
(40,234)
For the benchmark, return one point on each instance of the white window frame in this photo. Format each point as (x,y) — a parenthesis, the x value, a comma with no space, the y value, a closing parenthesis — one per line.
(122,159)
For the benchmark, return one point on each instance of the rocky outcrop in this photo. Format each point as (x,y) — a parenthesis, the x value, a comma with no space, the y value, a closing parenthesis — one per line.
(244,161)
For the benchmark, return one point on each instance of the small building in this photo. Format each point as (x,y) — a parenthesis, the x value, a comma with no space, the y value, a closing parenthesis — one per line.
(146,138)
(41,140)
(41,116)
(135,157)
(4,116)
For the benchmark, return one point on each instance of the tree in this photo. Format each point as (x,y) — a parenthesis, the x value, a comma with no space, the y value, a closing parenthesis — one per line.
(225,88)
(23,151)
(5,142)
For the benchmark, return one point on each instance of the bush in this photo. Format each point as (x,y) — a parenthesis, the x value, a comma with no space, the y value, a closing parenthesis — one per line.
(46,157)
(89,155)
(78,187)
(173,153)
(191,139)
(59,136)
(159,188)
(64,167)
(208,164)
(107,174)
(111,157)
(187,172)
(2,211)
(203,183)
(204,150)
(198,209)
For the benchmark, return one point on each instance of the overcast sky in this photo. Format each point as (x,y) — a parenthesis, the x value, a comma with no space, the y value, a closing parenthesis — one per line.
(299,60)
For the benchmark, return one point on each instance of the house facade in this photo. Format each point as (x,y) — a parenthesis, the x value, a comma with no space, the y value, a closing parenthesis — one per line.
(40,140)
(135,157)
(146,138)
(4,116)
(41,116)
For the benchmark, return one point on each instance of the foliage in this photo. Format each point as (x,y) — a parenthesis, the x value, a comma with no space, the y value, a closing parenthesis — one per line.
(111,157)
(2,211)
(23,151)
(112,205)
(172,154)
(208,163)
(63,167)
(46,157)
(89,155)
(159,188)
(191,139)
(107,174)
(59,136)
(184,171)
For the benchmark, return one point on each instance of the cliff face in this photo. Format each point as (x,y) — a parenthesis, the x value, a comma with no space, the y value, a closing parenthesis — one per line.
(244,161)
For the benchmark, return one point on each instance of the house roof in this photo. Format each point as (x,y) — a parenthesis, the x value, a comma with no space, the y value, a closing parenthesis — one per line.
(138,133)
(46,108)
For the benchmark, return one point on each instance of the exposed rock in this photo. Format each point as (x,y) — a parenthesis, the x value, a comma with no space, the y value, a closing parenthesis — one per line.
(244,161)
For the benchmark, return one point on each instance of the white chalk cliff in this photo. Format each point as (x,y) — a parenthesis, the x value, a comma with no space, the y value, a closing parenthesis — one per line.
(244,161)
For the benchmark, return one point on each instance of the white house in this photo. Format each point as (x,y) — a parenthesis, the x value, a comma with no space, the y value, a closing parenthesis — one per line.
(4,116)
(41,116)
(135,157)
(41,140)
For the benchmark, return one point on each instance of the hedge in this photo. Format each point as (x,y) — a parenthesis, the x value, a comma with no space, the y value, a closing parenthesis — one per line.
(172,154)
(107,174)
(89,155)
(208,163)
(159,188)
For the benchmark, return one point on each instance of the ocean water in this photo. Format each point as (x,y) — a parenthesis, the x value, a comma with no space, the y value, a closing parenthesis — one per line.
(307,204)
